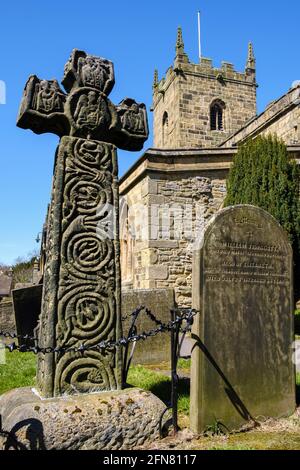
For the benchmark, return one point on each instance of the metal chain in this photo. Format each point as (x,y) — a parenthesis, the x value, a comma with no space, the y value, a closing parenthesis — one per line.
(106,344)
(7,334)
(148,313)
(153,317)
(134,313)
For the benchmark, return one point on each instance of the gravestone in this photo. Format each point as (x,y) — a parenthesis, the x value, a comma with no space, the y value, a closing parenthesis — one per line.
(7,321)
(242,352)
(27,308)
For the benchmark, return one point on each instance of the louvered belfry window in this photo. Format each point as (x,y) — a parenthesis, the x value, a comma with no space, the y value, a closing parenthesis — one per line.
(217,116)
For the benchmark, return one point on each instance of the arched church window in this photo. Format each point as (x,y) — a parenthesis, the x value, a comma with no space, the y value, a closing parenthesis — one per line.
(165,119)
(217,116)
(165,125)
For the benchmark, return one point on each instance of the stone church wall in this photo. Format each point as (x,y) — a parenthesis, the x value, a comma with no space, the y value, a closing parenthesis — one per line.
(170,211)
(182,103)
(286,128)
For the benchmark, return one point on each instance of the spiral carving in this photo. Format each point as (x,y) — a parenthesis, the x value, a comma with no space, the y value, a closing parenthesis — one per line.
(91,154)
(86,317)
(86,253)
(86,373)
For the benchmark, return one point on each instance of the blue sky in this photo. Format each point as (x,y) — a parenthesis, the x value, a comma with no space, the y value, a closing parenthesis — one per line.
(137,36)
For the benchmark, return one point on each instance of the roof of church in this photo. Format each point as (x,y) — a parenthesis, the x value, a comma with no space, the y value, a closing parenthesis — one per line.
(273,111)
(192,161)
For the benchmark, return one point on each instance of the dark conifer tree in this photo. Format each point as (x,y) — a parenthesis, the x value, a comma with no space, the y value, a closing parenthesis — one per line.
(262,174)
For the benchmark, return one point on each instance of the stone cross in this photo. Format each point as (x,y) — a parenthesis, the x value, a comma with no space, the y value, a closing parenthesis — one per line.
(81,295)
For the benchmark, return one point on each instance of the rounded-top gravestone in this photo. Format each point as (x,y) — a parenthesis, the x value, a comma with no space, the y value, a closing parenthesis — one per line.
(242,286)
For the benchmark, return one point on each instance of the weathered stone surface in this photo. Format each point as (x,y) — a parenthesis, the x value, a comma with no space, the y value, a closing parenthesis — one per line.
(242,285)
(160,301)
(7,321)
(81,295)
(156,272)
(107,420)
(86,110)
(198,174)
(170,218)
(281,117)
(81,298)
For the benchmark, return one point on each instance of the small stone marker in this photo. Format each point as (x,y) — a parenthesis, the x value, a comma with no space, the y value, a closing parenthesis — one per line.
(242,356)
(160,302)
(27,308)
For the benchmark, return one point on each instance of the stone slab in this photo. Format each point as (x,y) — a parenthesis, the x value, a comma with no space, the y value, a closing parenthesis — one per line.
(160,301)
(242,355)
(27,307)
(7,322)
(96,421)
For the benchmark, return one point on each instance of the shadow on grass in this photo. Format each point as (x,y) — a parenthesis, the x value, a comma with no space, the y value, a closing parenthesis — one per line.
(160,385)
(163,390)
(298,394)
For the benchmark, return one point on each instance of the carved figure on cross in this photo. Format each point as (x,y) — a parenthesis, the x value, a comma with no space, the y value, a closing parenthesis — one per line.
(85,110)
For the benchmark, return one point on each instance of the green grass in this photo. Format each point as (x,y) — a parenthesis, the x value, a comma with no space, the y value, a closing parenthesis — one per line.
(256,441)
(184,363)
(231,447)
(160,385)
(18,371)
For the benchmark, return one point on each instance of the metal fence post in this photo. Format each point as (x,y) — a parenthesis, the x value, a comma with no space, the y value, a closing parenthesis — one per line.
(174,375)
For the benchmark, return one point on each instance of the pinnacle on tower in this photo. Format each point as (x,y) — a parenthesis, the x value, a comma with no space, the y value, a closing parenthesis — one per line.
(181,56)
(251,59)
(155,79)
(179,42)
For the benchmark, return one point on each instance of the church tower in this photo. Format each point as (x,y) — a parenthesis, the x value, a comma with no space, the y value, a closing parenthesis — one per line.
(199,106)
